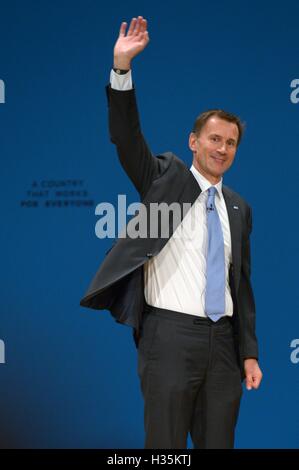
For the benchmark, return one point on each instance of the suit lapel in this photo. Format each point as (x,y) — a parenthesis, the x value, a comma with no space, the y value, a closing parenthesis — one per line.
(234,217)
(191,190)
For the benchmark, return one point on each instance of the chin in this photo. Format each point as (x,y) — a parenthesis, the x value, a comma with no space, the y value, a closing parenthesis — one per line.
(216,174)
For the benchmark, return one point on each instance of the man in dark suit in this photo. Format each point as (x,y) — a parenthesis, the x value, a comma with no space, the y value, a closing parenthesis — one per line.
(187,294)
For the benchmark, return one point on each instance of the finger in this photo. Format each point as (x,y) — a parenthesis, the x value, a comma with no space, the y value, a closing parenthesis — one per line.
(142,36)
(137,25)
(146,36)
(256,382)
(249,382)
(132,26)
(143,25)
(123,27)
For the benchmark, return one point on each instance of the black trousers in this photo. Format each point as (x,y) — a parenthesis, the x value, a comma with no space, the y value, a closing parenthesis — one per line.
(190,380)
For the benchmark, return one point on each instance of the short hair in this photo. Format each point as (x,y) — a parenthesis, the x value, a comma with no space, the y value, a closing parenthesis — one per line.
(202,119)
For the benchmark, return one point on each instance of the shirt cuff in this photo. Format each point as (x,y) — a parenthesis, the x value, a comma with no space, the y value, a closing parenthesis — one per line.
(121,82)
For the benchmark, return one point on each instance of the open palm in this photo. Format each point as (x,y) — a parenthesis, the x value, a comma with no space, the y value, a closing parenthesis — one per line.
(128,46)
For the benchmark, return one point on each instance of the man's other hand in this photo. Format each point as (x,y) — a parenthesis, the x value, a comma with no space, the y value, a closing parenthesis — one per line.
(253,373)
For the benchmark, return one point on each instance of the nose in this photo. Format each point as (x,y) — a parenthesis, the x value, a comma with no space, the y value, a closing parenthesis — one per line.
(222,149)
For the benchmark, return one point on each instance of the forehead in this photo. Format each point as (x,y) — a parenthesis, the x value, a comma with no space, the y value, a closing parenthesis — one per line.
(216,125)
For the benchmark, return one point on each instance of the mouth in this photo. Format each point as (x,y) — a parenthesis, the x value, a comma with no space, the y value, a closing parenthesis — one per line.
(218,159)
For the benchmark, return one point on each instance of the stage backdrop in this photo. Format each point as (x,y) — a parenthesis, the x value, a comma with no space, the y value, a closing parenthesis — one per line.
(68,375)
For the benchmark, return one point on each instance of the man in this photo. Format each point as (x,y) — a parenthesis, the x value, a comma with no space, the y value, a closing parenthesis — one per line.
(188,299)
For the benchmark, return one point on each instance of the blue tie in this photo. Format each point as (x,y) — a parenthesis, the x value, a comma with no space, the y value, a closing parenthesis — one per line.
(215,274)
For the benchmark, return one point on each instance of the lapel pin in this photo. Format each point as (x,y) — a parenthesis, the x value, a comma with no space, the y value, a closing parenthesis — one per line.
(235,207)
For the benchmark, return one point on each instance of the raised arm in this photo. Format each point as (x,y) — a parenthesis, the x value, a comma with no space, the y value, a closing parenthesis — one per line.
(124,125)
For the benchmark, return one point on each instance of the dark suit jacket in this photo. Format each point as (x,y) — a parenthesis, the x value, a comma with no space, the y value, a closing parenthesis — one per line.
(118,284)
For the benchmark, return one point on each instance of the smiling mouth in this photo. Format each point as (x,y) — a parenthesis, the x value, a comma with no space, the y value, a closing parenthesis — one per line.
(218,159)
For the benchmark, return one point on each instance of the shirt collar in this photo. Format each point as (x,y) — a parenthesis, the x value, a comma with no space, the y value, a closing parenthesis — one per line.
(204,183)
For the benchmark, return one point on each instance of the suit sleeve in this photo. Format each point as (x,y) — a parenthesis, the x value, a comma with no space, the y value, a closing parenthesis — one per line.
(125,132)
(249,340)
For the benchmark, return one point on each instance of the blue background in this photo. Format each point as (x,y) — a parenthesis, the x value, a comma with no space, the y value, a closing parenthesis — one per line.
(70,377)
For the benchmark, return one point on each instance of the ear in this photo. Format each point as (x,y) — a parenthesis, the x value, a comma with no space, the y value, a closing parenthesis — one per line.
(192,142)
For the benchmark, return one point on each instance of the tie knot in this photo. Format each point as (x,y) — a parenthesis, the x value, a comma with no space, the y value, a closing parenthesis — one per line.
(212,190)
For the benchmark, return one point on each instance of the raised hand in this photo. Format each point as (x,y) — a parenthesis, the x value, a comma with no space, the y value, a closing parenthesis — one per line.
(130,45)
